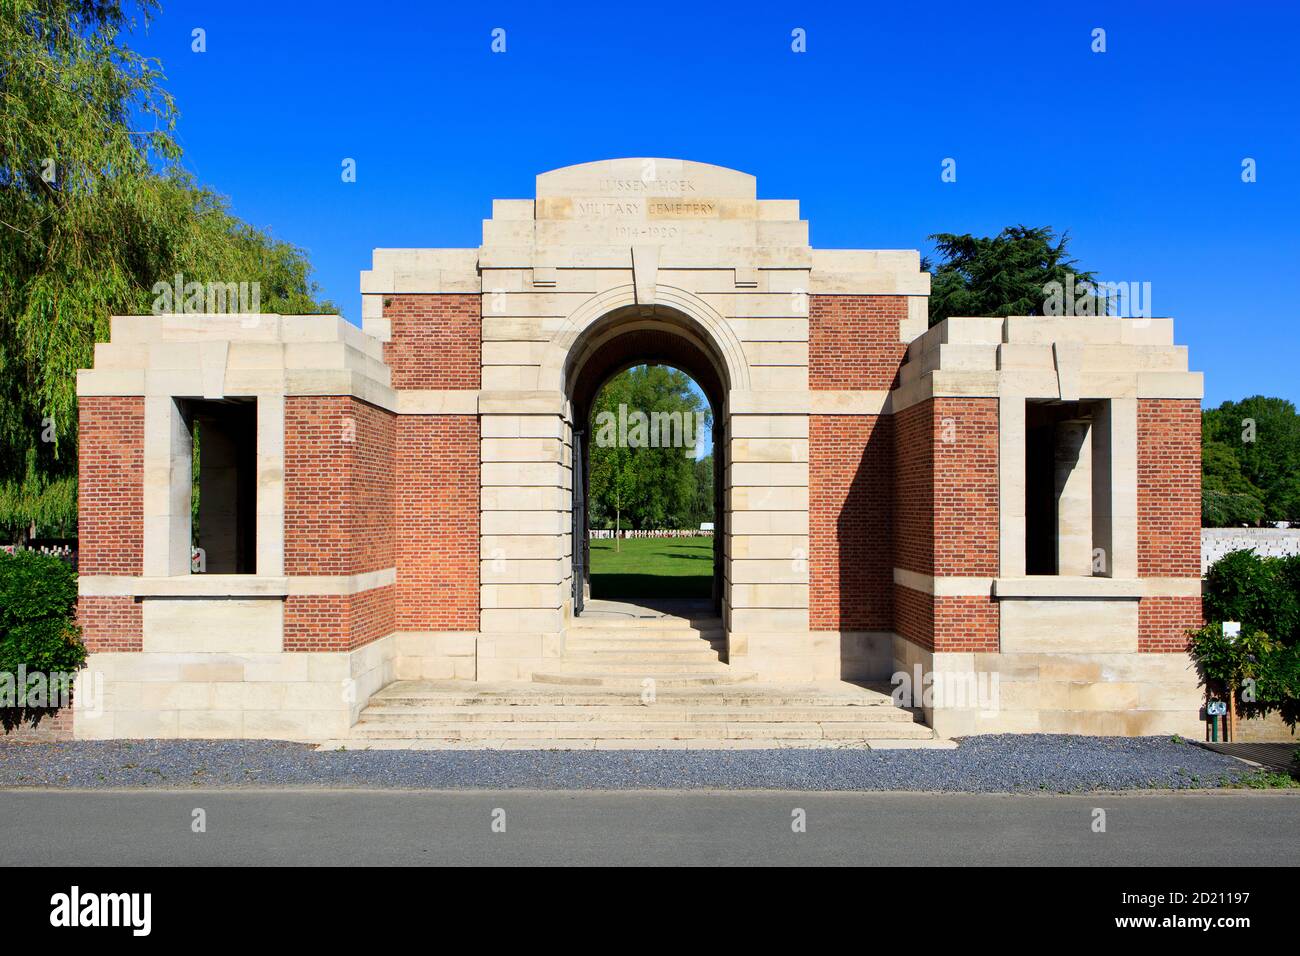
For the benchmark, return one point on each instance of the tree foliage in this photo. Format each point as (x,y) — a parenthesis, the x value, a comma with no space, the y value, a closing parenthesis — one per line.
(1250,461)
(38,634)
(1263,595)
(636,486)
(94,210)
(1006,274)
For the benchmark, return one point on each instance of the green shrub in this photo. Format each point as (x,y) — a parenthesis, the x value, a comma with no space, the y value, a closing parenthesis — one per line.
(38,633)
(1261,593)
(1261,668)
(1226,663)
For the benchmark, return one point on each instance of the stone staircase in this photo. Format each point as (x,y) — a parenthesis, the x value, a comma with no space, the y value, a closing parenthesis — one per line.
(652,682)
(651,652)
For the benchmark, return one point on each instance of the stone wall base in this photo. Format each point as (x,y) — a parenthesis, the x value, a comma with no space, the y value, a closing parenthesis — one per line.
(813,656)
(315,696)
(286,696)
(1123,695)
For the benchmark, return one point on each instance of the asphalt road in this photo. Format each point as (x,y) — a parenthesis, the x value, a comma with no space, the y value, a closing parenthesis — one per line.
(333,827)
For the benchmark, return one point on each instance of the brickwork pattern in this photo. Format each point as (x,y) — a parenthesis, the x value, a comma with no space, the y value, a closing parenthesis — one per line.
(110,483)
(436,340)
(967,622)
(914,616)
(966,523)
(850,492)
(853,341)
(339,486)
(1169,487)
(914,488)
(946,519)
(338,622)
(53,728)
(1163,623)
(110,623)
(438,537)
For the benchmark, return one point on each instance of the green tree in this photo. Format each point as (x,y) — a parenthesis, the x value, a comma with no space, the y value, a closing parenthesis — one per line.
(1263,437)
(703,510)
(1228,498)
(94,210)
(1006,274)
(633,482)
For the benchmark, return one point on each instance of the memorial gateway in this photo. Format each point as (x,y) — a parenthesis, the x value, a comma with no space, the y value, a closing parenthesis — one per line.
(392,534)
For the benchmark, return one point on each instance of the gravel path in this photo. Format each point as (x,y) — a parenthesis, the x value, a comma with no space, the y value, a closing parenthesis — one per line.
(991,764)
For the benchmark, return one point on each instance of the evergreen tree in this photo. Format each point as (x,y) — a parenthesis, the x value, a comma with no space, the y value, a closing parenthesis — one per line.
(1006,274)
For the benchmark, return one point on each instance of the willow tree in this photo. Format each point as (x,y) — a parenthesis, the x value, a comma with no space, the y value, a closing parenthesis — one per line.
(95,209)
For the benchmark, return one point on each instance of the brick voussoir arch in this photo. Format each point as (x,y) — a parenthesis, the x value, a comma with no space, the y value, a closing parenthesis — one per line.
(709,325)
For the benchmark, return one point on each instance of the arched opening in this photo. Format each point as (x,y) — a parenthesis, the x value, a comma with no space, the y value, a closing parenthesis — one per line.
(637,339)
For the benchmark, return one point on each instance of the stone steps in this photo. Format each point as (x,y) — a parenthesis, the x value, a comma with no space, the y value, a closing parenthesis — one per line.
(629,730)
(602,655)
(649,713)
(739,696)
(467,715)
(672,650)
(592,698)
(653,625)
(673,676)
(641,643)
(649,743)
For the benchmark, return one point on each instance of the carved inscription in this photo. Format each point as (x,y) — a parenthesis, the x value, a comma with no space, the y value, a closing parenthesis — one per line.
(652,187)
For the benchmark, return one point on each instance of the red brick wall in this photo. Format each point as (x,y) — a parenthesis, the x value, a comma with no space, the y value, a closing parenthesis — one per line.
(914,440)
(335,622)
(110,515)
(1169,487)
(853,341)
(1169,517)
(438,535)
(850,482)
(338,486)
(339,518)
(436,340)
(110,623)
(966,623)
(966,527)
(947,623)
(110,485)
(52,728)
(946,487)
(914,616)
(1163,623)
(946,519)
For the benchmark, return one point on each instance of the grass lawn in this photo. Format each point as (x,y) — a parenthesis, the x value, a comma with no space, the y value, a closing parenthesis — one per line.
(652,568)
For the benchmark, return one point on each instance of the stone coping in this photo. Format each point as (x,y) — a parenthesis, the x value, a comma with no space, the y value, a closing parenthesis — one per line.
(1055,586)
(232,585)
(1046,587)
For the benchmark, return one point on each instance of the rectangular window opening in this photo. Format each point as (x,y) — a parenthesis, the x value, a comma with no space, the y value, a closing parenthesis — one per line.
(1067,488)
(223,484)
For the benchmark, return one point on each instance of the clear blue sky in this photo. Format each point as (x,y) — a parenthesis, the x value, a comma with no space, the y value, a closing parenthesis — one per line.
(1137,151)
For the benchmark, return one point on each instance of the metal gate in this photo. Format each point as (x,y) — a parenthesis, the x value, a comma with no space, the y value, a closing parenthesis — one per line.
(579,525)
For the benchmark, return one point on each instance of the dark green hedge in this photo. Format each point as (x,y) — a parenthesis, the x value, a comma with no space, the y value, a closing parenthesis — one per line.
(38,632)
